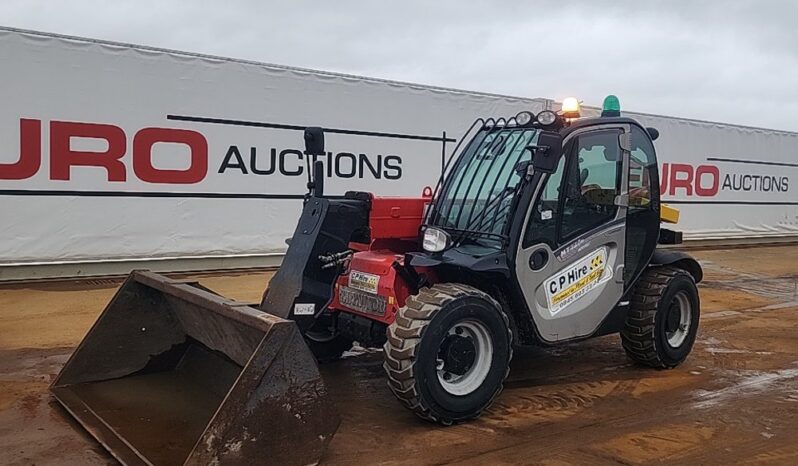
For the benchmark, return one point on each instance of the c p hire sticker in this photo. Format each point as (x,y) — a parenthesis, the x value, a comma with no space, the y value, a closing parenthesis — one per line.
(576,280)
(364,281)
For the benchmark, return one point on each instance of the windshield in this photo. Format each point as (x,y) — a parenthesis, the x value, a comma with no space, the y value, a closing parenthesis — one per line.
(475,199)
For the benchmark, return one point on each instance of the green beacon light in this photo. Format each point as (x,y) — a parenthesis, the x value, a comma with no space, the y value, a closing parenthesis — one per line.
(611,107)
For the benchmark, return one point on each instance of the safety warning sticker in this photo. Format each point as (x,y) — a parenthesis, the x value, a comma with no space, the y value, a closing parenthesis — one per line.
(575,281)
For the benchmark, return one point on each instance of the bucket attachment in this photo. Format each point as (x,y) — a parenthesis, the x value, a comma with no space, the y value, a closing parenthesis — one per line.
(173,374)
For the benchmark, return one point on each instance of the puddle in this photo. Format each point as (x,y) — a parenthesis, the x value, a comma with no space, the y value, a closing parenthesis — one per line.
(748,385)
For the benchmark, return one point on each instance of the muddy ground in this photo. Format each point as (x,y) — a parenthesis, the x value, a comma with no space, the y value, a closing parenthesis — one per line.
(735,400)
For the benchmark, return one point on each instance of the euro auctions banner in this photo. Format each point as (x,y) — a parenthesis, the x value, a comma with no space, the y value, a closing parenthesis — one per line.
(728,181)
(109,151)
(115,152)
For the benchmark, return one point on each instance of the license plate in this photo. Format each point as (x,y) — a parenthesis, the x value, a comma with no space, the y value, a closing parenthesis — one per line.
(362,302)
(364,281)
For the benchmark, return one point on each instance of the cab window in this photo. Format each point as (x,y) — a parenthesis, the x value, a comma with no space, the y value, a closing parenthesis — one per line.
(592,182)
(642,217)
(542,227)
(580,195)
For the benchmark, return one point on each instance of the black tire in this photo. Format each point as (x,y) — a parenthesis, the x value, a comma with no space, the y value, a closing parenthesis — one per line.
(651,335)
(424,334)
(328,350)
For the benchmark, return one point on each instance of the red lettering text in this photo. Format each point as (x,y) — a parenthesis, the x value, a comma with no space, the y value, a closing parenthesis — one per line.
(713,173)
(30,152)
(62,157)
(142,155)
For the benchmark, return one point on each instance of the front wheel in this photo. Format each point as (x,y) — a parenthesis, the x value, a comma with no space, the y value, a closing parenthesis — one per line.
(663,320)
(448,352)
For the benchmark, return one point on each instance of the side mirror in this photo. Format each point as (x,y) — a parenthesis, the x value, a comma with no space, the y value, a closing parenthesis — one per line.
(653,133)
(546,154)
(314,141)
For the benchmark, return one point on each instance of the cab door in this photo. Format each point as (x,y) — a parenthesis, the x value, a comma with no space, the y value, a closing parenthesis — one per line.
(571,258)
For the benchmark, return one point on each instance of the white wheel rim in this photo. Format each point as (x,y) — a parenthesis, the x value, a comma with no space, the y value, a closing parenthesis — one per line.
(678,336)
(472,379)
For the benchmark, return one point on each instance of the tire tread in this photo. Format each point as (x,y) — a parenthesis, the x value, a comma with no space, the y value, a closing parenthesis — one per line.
(405,334)
(638,334)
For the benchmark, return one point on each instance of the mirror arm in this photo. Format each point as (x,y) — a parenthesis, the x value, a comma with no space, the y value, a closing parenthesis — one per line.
(318,178)
(540,148)
(314,146)
(530,172)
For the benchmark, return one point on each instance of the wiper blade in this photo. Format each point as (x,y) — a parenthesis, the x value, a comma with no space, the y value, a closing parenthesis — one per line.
(492,205)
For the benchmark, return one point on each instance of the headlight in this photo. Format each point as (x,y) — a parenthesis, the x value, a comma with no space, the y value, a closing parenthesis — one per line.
(524,118)
(547,117)
(435,240)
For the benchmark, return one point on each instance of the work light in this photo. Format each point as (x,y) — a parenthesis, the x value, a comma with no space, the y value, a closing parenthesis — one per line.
(547,117)
(435,240)
(524,118)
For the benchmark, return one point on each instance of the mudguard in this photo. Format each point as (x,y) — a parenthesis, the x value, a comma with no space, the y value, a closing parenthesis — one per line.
(677,259)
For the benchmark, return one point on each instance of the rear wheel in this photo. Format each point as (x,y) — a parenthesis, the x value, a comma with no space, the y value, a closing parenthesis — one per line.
(327,347)
(663,320)
(448,352)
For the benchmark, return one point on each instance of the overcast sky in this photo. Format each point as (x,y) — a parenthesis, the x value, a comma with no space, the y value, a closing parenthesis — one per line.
(731,61)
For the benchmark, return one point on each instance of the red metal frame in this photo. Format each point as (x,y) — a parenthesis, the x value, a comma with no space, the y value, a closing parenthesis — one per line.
(395,224)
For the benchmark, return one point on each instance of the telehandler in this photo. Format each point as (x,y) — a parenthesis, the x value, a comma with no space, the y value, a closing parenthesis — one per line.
(542,230)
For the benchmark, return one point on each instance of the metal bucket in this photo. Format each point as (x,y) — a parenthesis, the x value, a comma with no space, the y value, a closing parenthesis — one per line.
(173,374)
